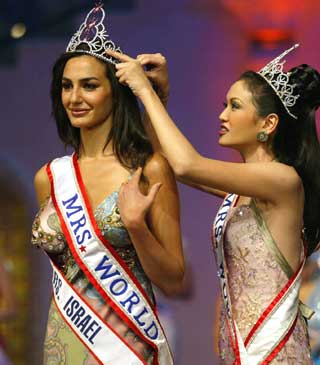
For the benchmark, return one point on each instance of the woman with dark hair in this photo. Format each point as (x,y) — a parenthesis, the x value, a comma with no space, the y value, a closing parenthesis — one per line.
(270,221)
(103,309)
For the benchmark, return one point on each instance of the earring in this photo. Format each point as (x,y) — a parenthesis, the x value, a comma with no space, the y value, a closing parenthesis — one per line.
(262,136)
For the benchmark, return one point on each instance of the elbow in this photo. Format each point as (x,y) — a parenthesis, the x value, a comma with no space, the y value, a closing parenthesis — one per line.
(175,286)
(184,165)
(181,169)
(174,292)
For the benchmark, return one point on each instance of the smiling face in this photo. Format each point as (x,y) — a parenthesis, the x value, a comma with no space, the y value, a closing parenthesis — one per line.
(239,122)
(86,92)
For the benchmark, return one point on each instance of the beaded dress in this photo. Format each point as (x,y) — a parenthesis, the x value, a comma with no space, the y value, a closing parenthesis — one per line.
(257,271)
(61,345)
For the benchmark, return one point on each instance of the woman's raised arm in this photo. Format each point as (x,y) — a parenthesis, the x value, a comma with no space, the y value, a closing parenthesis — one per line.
(270,181)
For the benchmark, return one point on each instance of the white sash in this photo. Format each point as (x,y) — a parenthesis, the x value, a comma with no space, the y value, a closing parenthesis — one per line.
(90,328)
(217,234)
(99,261)
(275,325)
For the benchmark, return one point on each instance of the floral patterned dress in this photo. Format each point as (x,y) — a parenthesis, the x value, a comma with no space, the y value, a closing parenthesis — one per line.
(257,271)
(61,346)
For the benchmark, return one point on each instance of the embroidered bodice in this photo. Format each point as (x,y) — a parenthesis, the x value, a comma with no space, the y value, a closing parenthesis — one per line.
(255,265)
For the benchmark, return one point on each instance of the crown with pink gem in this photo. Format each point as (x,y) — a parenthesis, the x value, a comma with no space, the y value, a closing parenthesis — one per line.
(279,81)
(92,37)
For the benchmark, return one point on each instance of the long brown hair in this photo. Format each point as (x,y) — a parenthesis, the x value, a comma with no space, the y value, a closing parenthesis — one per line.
(130,141)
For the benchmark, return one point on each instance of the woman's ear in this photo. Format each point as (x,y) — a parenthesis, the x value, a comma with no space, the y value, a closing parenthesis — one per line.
(270,123)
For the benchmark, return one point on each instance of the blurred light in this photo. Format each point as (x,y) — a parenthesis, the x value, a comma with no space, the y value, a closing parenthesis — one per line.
(271,35)
(18,30)
(264,13)
(269,39)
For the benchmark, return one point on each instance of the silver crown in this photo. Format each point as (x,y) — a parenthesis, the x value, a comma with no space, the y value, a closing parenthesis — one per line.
(279,80)
(93,37)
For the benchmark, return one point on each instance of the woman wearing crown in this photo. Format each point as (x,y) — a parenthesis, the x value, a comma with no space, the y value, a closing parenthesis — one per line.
(103,309)
(269,220)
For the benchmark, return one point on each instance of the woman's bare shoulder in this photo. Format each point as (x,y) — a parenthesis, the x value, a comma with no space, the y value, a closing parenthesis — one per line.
(42,184)
(157,165)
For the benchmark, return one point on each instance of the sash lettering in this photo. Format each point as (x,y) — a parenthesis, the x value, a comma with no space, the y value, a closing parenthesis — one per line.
(105,270)
(89,326)
(119,287)
(77,219)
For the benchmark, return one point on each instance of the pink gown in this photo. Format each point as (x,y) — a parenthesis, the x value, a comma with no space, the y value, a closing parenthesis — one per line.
(257,271)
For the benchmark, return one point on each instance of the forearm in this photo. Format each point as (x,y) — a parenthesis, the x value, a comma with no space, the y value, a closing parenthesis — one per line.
(151,133)
(164,270)
(150,130)
(177,149)
(204,188)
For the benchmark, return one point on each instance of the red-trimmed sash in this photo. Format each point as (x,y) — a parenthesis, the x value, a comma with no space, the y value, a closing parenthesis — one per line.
(100,262)
(276,324)
(90,327)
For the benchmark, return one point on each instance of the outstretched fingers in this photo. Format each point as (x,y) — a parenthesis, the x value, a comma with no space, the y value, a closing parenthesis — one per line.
(119,56)
(121,75)
(153,59)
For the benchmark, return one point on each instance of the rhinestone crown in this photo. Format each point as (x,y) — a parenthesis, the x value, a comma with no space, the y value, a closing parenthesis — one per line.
(93,37)
(279,81)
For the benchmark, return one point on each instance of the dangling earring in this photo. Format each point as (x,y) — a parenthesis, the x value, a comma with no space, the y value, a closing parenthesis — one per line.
(262,136)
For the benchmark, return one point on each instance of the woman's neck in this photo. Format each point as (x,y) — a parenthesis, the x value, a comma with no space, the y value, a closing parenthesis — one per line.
(93,141)
(258,154)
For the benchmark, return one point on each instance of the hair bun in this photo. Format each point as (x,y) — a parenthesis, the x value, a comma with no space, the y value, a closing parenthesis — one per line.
(307,80)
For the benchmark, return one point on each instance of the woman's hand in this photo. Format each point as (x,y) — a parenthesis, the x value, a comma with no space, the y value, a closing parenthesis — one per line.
(131,73)
(132,204)
(157,72)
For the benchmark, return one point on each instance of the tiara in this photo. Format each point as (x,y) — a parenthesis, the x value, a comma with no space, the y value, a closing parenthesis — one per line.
(92,37)
(279,80)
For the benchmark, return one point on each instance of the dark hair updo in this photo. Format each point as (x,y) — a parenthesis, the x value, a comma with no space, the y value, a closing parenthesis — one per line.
(129,139)
(295,141)
(306,81)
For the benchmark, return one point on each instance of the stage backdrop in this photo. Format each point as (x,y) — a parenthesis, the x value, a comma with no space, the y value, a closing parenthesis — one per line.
(206,50)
